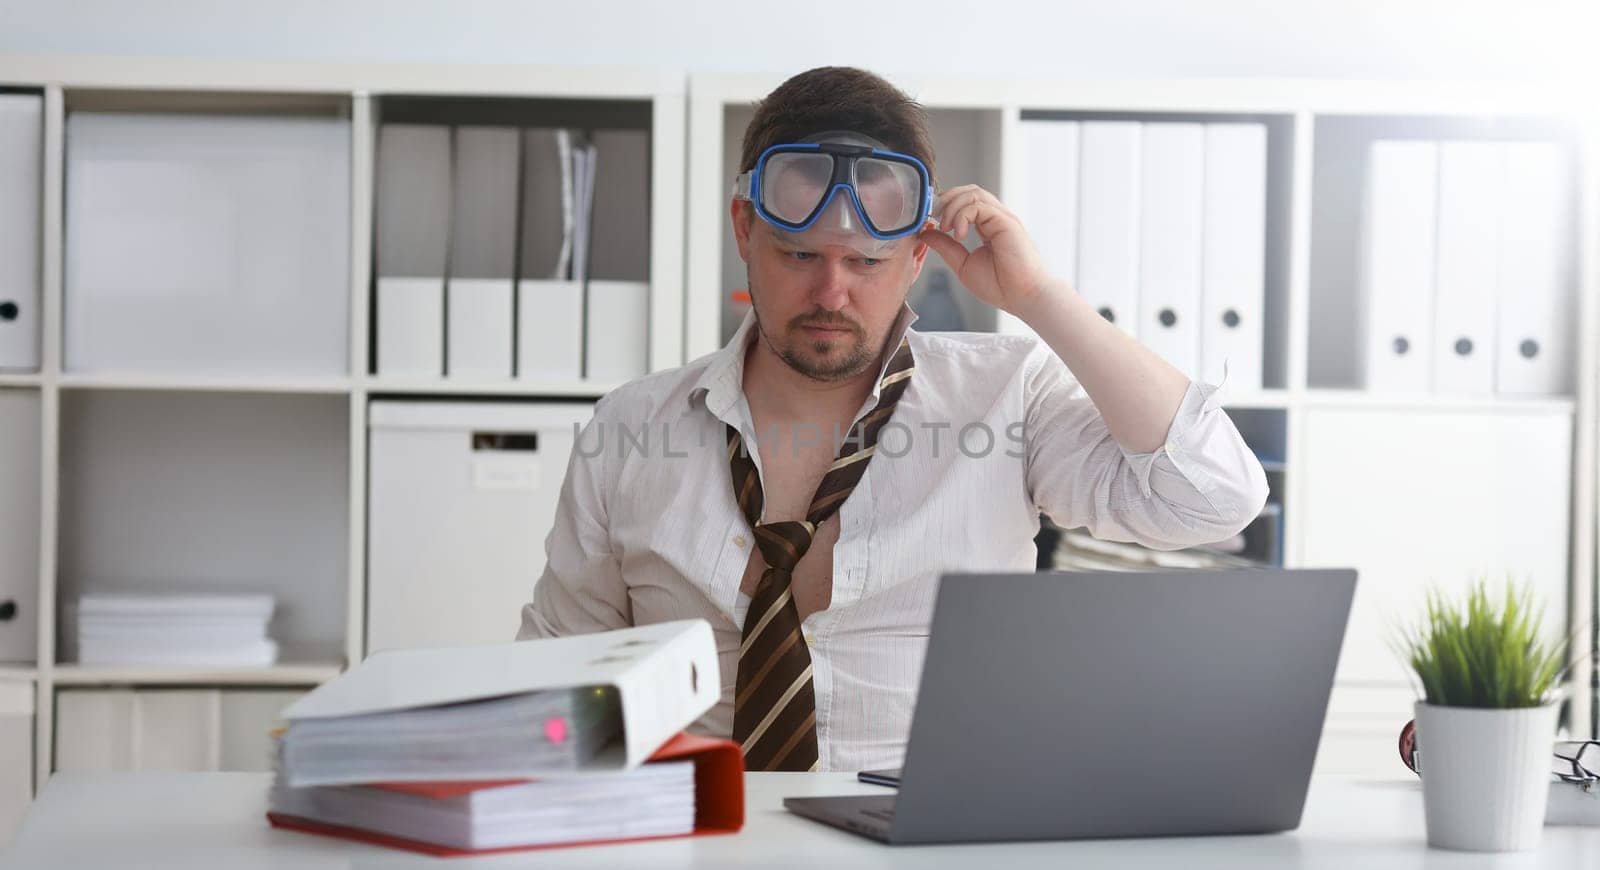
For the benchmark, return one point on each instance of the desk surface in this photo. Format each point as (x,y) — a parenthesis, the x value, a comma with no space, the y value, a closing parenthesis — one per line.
(215,820)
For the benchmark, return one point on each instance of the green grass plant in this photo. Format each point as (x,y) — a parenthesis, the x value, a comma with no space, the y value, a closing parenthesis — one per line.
(1485,651)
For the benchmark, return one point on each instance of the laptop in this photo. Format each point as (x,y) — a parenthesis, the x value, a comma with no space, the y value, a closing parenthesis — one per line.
(1062,706)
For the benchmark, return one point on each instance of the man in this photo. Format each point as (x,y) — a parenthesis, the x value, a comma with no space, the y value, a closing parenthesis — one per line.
(803,488)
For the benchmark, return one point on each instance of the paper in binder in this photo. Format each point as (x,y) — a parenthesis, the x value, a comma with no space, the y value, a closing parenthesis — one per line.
(483,244)
(1396,293)
(559,741)
(663,677)
(549,302)
(1171,213)
(691,786)
(413,231)
(1233,294)
(21,190)
(1108,220)
(1471,176)
(547,731)
(1537,304)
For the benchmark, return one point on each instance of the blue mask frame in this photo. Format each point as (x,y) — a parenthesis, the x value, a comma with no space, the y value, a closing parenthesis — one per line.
(844,157)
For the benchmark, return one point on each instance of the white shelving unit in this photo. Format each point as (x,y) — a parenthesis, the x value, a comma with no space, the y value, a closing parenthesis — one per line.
(89,493)
(196,446)
(975,129)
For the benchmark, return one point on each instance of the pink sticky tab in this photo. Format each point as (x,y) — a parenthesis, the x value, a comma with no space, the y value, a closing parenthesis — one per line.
(556,729)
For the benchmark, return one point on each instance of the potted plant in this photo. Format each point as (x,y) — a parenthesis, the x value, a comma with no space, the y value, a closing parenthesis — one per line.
(1487,720)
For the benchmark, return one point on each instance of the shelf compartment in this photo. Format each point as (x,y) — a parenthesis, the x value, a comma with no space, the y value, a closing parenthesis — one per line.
(208,492)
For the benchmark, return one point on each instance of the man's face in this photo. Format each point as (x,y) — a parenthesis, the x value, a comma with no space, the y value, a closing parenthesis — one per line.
(824,309)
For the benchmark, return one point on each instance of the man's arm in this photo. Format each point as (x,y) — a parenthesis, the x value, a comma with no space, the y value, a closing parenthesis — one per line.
(581,590)
(1135,390)
(1119,441)
(1203,484)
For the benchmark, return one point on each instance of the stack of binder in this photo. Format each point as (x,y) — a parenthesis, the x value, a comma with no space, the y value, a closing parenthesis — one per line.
(1162,228)
(1467,278)
(512,252)
(176,630)
(514,746)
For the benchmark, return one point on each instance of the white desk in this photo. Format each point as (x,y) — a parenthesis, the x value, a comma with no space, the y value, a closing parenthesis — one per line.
(215,821)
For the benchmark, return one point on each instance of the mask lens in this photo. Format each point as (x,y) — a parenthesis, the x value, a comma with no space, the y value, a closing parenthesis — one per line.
(890,193)
(793,183)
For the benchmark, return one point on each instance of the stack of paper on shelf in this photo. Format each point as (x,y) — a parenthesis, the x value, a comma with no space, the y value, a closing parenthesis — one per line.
(1079,551)
(514,746)
(201,630)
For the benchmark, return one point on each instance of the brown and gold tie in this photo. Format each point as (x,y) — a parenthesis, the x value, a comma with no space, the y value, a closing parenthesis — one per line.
(775,705)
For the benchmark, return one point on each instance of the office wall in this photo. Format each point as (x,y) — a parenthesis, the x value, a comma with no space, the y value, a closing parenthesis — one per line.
(1475,39)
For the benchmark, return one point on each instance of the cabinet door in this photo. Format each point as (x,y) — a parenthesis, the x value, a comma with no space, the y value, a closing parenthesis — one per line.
(247,721)
(1421,499)
(94,729)
(19,525)
(129,729)
(166,729)
(16,755)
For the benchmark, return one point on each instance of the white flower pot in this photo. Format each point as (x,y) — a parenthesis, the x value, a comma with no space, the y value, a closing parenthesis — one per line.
(1485,775)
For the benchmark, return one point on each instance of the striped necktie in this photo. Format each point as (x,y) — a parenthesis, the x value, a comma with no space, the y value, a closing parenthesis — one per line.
(775,707)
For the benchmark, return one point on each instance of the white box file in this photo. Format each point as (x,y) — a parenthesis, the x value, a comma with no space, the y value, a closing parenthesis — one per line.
(1395,299)
(21,192)
(549,330)
(483,253)
(1471,178)
(1233,297)
(410,327)
(207,244)
(1108,220)
(1538,309)
(549,303)
(1172,212)
(461,497)
(1047,201)
(412,221)
(617,331)
(619,241)
(480,325)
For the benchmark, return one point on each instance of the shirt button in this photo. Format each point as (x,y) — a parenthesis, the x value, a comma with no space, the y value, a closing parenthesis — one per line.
(811,639)
(740,541)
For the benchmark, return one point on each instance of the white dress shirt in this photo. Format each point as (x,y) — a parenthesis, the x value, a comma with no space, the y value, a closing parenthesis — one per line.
(648,529)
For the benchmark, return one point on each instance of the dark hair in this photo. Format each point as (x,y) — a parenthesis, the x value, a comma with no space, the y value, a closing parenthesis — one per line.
(838,98)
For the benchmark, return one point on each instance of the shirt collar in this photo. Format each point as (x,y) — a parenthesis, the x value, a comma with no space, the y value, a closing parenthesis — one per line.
(722,383)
